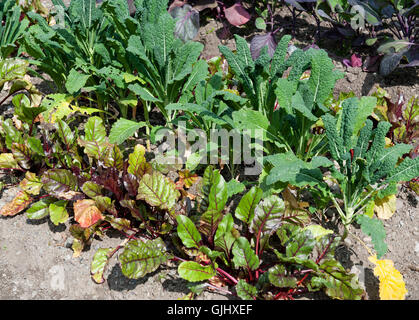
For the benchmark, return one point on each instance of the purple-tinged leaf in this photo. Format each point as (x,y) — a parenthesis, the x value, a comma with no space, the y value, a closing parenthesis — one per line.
(371,63)
(260,41)
(390,63)
(57,181)
(237,14)
(412,56)
(356,61)
(175,4)
(346,62)
(187,24)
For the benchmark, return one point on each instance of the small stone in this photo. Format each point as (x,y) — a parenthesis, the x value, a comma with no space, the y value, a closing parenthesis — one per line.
(367,239)
(348,242)
(351,77)
(417,248)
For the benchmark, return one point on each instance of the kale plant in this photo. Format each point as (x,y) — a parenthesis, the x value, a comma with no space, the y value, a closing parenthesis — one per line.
(365,168)
(12,27)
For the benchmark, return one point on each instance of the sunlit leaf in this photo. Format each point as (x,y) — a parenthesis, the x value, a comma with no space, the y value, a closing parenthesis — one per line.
(386,207)
(140,258)
(58,212)
(98,265)
(19,203)
(87,213)
(392,286)
(193,271)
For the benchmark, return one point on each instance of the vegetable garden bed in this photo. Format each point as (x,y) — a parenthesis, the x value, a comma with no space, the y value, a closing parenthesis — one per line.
(92,208)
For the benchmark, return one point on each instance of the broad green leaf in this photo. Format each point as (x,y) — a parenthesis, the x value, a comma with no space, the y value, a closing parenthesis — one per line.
(318,231)
(280,277)
(39,209)
(224,238)
(143,93)
(246,291)
(114,158)
(244,255)
(213,191)
(24,110)
(140,258)
(95,141)
(375,229)
(65,133)
(11,69)
(91,189)
(76,81)
(289,168)
(187,232)
(300,245)
(58,212)
(22,154)
(56,181)
(245,210)
(99,263)
(199,73)
(194,272)
(158,191)
(339,284)
(123,129)
(234,187)
(268,216)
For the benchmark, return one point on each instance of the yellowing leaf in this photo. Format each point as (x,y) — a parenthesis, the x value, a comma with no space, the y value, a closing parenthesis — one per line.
(31,184)
(386,207)
(389,143)
(19,203)
(236,92)
(305,75)
(86,213)
(392,286)
(318,231)
(61,105)
(187,179)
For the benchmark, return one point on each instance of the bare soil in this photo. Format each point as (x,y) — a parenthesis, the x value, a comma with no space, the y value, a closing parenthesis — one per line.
(36,257)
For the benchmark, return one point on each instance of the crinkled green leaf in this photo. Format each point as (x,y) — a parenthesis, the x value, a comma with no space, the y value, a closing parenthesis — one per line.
(140,258)
(246,291)
(56,181)
(158,191)
(375,229)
